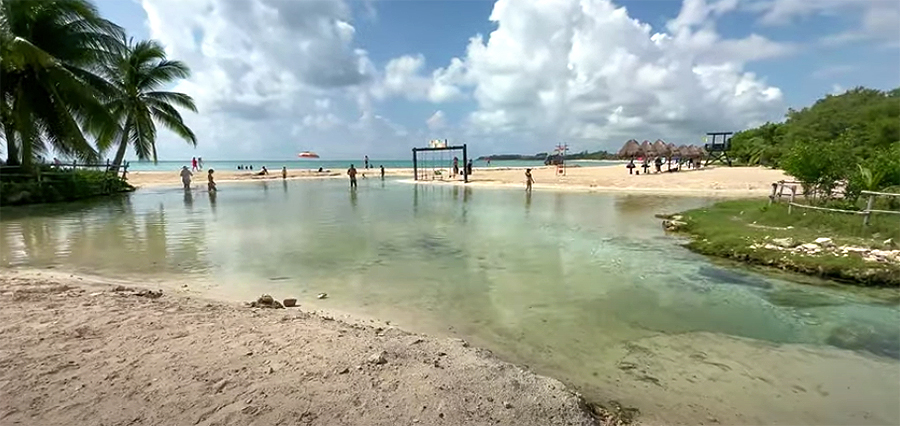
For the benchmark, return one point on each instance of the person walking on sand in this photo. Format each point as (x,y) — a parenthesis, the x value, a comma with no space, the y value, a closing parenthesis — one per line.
(352,173)
(367,162)
(194,164)
(284,172)
(455,166)
(382,172)
(211,184)
(186,177)
(528,180)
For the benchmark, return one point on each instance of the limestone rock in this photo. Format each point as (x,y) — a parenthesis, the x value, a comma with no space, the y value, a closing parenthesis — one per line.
(377,358)
(784,242)
(290,302)
(824,242)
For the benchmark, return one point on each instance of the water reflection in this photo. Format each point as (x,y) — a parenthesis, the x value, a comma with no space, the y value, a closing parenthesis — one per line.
(558,283)
(212,201)
(188,198)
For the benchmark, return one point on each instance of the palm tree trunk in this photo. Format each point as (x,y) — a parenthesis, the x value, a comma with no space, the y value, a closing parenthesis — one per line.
(12,149)
(123,146)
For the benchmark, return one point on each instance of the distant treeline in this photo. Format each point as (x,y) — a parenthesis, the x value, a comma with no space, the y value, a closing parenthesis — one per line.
(541,156)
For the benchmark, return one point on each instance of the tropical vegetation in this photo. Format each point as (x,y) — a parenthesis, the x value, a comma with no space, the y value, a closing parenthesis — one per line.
(849,141)
(73,84)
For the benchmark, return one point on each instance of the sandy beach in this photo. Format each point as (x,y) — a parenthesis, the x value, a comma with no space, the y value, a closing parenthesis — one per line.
(712,181)
(78,350)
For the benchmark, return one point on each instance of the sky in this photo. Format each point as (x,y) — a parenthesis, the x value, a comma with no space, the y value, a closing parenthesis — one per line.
(345,79)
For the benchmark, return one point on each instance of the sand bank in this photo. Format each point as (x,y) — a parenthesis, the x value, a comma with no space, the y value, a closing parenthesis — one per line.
(712,181)
(76,351)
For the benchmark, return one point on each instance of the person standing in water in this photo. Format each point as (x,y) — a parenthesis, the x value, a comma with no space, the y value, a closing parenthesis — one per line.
(352,173)
(186,177)
(528,180)
(382,172)
(211,184)
(367,162)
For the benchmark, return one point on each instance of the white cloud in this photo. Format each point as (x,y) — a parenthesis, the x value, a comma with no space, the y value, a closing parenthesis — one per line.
(585,70)
(269,76)
(873,19)
(834,70)
(403,77)
(437,121)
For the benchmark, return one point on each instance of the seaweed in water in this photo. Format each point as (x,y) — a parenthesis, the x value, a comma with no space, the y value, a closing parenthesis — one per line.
(723,276)
(866,337)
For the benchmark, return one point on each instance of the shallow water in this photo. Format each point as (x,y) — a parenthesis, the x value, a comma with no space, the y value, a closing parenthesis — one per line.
(567,283)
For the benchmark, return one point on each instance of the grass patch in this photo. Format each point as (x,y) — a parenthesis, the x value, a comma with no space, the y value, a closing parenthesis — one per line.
(729,229)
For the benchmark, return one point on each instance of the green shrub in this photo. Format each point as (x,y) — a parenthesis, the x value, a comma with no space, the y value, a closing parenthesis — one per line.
(59,185)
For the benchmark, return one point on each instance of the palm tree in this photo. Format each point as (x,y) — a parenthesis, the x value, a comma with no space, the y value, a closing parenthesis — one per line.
(50,95)
(137,72)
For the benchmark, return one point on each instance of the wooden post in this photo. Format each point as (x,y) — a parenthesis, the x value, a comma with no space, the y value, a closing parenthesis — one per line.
(465,165)
(793,194)
(774,190)
(415,166)
(868,214)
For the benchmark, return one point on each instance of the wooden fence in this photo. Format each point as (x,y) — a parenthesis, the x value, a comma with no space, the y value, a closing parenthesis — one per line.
(778,189)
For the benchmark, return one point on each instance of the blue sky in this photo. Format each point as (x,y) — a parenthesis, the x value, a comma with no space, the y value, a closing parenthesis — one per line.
(801,50)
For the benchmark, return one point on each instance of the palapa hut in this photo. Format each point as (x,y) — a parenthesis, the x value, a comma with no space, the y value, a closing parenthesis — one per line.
(660,148)
(630,150)
(647,149)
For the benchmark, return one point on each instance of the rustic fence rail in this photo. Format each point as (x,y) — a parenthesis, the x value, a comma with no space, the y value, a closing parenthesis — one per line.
(778,193)
(59,169)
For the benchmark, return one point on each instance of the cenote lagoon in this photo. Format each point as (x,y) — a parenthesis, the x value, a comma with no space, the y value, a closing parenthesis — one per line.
(582,287)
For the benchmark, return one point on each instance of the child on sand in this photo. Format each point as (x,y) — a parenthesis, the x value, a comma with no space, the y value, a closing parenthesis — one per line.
(186,177)
(528,180)
(211,184)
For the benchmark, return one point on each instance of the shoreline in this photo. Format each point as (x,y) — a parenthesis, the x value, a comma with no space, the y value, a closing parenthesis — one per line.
(725,182)
(123,357)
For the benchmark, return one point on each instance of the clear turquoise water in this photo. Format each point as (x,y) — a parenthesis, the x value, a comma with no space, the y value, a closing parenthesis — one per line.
(553,280)
(338,164)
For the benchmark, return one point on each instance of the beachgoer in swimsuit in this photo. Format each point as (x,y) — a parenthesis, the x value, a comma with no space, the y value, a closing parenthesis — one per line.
(352,173)
(382,172)
(211,184)
(186,177)
(528,180)
(284,172)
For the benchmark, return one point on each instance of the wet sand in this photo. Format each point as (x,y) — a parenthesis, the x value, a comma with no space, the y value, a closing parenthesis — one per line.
(78,350)
(712,181)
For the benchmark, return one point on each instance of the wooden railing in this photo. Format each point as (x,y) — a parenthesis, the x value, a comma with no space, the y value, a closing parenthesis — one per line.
(778,189)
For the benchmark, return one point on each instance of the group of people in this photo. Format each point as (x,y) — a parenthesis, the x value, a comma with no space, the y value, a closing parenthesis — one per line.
(196,164)
(186,176)
(352,172)
(658,163)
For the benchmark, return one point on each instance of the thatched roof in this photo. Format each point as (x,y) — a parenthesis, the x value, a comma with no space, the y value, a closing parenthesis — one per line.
(631,149)
(660,148)
(647,149)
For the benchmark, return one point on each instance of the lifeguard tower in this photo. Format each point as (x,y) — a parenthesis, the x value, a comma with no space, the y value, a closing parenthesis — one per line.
(560,154)
(717,148)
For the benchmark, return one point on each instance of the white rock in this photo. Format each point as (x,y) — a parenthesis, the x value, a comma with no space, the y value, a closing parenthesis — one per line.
(824,242)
